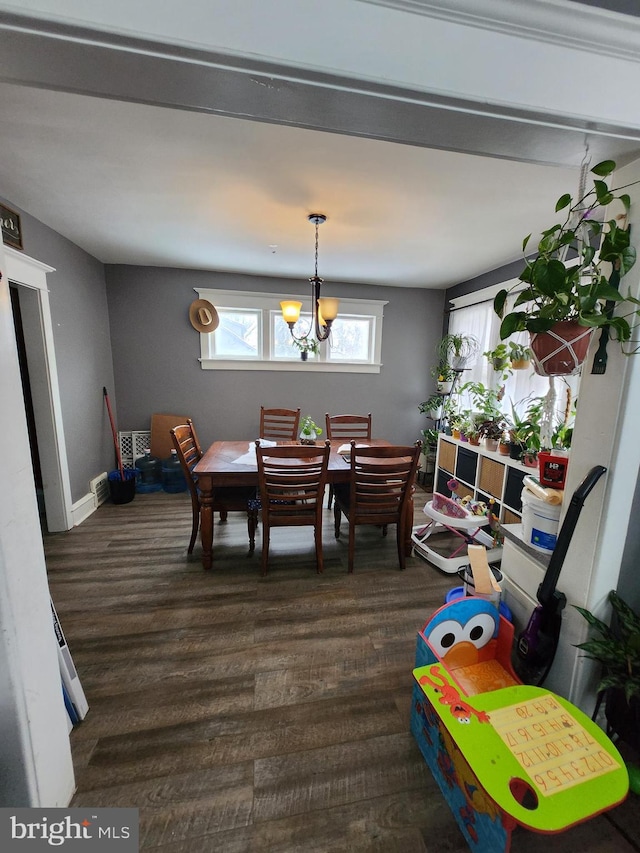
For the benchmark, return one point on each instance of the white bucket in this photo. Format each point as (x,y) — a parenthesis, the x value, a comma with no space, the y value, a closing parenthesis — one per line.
(540,522)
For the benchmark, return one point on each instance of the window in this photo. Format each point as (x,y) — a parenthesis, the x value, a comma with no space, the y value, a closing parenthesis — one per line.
(253,336)
(479,319)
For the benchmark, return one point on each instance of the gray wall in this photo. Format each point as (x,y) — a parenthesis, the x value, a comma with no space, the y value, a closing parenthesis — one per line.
(156,353)
(82,346)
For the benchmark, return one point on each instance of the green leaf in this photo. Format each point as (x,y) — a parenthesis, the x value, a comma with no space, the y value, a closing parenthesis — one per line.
(626,200)
(627,259)
(602,193)
(605,291)
(498,302)
(606,167)
(513,322)
(525,275)
(563,202)
(525,241)
(594,621)
(629,620)
(549,277)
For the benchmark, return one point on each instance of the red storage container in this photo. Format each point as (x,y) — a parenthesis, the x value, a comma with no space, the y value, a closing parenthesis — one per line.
(553,468)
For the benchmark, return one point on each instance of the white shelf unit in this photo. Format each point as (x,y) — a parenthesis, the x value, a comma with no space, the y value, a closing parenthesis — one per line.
(483,474)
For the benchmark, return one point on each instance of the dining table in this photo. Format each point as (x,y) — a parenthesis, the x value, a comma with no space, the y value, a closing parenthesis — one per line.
(233,463)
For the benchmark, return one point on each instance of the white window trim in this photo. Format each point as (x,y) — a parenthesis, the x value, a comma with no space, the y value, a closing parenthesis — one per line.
(271,301)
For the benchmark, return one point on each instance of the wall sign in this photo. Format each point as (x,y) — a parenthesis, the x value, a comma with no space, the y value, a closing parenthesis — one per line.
(11,233)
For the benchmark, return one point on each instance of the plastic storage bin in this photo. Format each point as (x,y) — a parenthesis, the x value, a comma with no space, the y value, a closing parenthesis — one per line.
(173,480)
(150,473)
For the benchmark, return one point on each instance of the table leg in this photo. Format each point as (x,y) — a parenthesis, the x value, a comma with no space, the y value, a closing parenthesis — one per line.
(206,527)
(408,526)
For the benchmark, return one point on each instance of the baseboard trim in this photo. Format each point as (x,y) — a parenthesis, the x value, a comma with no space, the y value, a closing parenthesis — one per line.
(83,508)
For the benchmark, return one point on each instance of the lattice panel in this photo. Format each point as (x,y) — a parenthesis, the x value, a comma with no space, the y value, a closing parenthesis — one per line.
(132,446)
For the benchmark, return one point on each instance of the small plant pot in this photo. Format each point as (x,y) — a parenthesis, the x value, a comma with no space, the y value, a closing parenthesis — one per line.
(304,355)
(474,440)
(515,451)
(491,444)
(504,448)
(455,433)
(444,387)
(521,364)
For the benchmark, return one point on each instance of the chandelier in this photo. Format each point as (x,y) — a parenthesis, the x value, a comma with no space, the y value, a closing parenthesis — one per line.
(324,309)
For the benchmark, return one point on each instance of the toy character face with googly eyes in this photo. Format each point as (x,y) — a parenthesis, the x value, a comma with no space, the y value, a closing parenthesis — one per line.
(461,632)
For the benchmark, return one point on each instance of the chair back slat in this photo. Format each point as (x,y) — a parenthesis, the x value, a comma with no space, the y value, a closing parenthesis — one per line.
(381,481)
(185,441)
(292,481)
(279,424)
(348,427)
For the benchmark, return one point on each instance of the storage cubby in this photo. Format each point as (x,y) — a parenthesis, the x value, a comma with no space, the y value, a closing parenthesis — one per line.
(482,474)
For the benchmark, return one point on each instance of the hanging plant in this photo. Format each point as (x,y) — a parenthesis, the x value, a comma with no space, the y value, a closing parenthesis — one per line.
(565,291)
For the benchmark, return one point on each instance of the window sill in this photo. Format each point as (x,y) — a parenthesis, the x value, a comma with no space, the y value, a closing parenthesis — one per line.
(291,366)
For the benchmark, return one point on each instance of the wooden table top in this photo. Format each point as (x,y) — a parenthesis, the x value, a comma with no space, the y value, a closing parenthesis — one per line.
(220,462)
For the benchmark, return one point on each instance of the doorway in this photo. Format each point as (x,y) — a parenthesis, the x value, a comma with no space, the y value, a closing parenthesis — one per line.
(14,292)
(36,354)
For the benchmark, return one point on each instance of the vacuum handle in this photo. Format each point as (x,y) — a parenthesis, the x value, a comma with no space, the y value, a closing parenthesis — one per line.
(548,585)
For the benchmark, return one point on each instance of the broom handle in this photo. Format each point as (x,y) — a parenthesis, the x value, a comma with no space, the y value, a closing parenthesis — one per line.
(113,432)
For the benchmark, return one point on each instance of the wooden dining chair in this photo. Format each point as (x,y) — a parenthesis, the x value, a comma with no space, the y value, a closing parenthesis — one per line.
(225,500)
(279,424)
(292,480)
(346,428)
(379,491)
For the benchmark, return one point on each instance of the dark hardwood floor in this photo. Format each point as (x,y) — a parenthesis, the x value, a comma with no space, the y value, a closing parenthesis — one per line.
(241,713)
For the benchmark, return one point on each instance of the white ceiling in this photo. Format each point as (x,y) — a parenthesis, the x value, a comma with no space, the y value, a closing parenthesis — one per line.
(172,185)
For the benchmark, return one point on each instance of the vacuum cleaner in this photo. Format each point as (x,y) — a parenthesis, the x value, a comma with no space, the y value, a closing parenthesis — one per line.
(536,646)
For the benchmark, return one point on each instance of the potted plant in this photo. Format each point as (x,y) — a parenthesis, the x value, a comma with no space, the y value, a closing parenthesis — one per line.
(617,648)
(472,429)
(519,355)
(565,292)
(309,431)
(429,447)
(444,376)
(492,430)
(499,359)
(524,432)
(432,407)
(306,345)
(458,350)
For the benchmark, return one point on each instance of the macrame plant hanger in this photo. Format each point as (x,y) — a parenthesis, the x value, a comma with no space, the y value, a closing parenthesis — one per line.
(550,400)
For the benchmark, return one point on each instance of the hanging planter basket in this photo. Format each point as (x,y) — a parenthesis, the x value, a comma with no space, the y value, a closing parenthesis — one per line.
(561,350)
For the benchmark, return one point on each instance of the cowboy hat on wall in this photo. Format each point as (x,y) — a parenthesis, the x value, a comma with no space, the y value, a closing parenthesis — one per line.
(203,316)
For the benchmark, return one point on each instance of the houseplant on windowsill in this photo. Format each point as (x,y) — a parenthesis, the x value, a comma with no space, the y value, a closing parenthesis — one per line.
(306,345)
(566,297)
(309,431)
(617,648)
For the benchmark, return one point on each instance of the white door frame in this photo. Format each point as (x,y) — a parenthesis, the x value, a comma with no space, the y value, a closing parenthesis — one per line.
(32,274)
